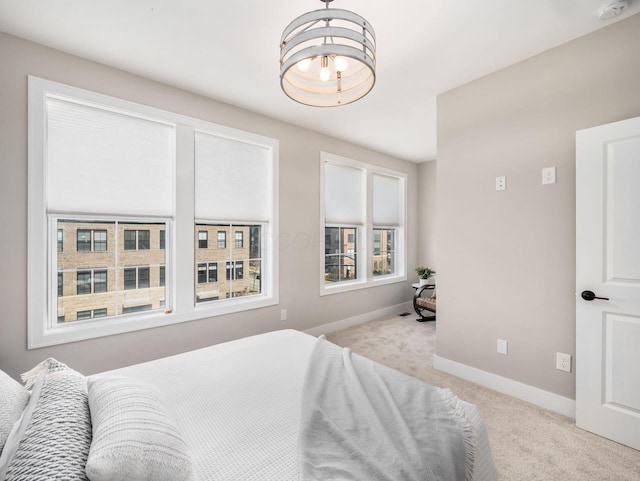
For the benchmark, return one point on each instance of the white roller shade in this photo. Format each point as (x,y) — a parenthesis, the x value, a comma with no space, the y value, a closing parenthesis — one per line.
(103,162)
(233,179)
(387,200)
(343,194)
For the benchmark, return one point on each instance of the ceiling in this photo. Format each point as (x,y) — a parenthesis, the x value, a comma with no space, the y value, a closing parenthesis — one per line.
(229,51)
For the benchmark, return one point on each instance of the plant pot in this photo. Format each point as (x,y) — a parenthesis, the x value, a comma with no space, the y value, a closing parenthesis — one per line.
(423,281)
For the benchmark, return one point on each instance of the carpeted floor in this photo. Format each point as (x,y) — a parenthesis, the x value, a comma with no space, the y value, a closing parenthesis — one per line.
(528,442)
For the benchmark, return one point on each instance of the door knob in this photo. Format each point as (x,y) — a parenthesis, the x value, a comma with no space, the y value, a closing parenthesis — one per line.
(590,296)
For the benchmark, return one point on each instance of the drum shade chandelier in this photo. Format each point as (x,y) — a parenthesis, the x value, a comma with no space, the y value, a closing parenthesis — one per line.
(328,57)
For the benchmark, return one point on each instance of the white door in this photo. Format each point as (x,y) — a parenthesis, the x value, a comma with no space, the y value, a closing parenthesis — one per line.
(608,265)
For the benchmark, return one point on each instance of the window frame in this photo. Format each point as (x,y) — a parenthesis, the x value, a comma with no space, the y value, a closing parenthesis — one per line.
(364,230)
(43,327)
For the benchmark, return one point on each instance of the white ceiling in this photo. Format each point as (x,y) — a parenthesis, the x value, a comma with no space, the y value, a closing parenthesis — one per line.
(229,51)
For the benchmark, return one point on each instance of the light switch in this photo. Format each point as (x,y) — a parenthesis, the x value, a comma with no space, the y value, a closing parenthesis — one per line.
(549,175)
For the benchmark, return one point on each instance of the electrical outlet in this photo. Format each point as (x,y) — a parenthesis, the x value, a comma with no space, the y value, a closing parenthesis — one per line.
(563,362)
(501,182)
(283,315)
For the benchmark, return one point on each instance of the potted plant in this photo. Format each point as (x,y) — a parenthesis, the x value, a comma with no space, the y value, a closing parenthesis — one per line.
(424,273)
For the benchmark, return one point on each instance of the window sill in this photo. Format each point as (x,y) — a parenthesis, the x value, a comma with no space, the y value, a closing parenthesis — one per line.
(337,288)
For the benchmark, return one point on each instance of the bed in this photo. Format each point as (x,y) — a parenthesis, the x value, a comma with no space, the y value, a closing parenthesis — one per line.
(278,406)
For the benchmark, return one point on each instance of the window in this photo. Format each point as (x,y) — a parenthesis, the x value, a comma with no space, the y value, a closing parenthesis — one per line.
(100,240)
(239,239)
(202,273)
(143,277)
(136,278)
(136,239)
(222,239)
(103,170)
(83,243)
(99,281)
(143,240)
(130,278)
(213,272)
(91,314)
(83,282)
(203,239)
(130,240)
(363,211)
(87,240)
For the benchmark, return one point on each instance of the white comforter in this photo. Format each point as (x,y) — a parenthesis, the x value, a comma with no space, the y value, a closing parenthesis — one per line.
(238,406)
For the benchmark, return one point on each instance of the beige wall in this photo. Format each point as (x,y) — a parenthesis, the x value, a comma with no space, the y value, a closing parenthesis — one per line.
(506,260)
(299,218)
(427,208)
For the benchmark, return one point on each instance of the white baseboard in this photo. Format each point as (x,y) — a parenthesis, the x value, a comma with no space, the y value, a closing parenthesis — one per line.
(533,395)
(359,319)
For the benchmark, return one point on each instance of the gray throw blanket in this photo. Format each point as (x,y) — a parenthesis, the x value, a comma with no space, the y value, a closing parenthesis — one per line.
(363,421)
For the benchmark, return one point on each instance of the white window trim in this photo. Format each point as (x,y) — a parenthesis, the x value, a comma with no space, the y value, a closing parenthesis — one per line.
(180,261)
(365,279)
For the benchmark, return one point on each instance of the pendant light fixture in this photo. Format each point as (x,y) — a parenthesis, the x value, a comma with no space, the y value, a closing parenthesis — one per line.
(328,57)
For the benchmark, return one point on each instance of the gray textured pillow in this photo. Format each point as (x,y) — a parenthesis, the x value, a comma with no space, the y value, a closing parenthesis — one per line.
(56,440)
(134,436)
(13,399)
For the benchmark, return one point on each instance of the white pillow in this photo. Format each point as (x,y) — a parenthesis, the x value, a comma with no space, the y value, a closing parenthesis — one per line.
(13,399)
(134,436)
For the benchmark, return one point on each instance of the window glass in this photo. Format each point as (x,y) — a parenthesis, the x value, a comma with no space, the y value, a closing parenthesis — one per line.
(242,263)
(341,262)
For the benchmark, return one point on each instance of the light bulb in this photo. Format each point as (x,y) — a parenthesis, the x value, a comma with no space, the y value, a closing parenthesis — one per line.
(341,64)
(303,65)
(325,73)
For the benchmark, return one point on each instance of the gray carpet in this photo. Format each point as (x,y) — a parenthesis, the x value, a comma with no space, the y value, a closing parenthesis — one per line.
(528,442)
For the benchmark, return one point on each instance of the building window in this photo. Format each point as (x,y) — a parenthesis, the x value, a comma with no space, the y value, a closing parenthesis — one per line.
(213,272)
(130,278)
(130,240)
(349,260)
(83,282)
(203,239)
(239,239)
(99,281)
(100,312)
(82,315)
(143,277)
(83,243)
(239,266)
(202,273)
(136,239)
(60,284)
(100,240)
(222,239)
(105,175)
